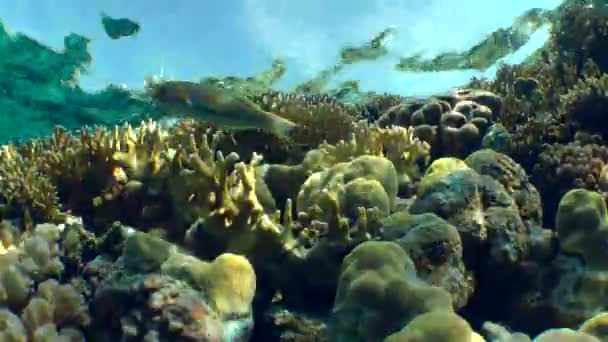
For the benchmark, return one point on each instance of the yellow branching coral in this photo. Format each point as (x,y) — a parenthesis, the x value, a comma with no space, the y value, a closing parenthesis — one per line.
(85,170)
(140,152)
(220,193)
(397,144)
(199,179)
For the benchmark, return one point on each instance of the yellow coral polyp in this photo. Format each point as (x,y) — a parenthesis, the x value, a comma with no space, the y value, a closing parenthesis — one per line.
(120,175)
(4,250)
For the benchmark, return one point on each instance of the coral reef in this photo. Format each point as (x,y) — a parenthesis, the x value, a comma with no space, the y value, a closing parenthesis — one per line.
(480,212)
(319,117)
(586,103)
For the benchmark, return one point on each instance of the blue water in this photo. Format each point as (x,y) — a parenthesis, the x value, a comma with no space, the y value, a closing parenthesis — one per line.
(191,39)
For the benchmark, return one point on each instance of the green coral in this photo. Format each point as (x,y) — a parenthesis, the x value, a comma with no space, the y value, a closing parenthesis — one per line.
(582,226)
(436,248)
(366,181)
(439,169)
(379,293)
(596,326)
(142,294)
(435,326)
(145,253)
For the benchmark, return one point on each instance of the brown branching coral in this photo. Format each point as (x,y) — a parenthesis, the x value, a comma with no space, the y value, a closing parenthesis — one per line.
(377,105)
(26,189)
(95,170)
(586,105)
(275,149)
(319,117)
(580,34)
(85,171)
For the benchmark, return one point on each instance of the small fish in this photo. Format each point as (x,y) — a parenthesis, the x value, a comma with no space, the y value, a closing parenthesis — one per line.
(118,28)
(214,105)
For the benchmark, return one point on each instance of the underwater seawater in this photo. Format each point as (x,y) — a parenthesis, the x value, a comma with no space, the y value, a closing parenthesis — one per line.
(265,170)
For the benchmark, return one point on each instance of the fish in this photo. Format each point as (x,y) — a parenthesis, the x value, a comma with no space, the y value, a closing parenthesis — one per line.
(214,105)
(117,28)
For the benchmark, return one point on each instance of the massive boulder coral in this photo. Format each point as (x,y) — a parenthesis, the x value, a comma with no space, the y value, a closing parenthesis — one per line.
(408,155)
(596,326)
(155,292)
(37,307)
(379,293)
(514,179)
(582,226)
(436,326)
(367,181)
(453,125)
(282,181)
(478,206)
(490,223)
(570,288)
(435,248)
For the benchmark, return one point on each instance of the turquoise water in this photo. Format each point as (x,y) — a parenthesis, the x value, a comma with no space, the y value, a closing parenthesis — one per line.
(241,38)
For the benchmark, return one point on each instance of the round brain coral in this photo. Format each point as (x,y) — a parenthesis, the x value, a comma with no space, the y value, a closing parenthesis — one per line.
(582,226)
(379,292)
